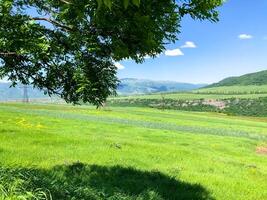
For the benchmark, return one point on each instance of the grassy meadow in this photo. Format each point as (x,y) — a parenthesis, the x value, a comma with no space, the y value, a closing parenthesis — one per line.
(223,92)
(236,89)
(192,96)
(248,100)
(67,152)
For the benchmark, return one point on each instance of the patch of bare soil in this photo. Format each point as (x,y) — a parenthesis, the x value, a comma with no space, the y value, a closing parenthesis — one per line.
(261,150)
(217,103)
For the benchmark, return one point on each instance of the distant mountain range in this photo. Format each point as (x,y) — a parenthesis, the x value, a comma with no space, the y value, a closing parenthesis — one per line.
(128,86)
(131,86)
(257,78)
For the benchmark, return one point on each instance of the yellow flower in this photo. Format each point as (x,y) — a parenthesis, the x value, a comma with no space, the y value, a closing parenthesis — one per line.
(39,126)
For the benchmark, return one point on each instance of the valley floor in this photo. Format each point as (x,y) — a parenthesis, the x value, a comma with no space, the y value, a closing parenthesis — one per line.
(67,152)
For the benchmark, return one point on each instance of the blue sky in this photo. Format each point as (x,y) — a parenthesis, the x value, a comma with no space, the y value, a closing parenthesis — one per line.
(236,45)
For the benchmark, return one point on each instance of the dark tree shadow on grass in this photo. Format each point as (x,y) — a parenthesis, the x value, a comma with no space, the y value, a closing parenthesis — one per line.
(79,181)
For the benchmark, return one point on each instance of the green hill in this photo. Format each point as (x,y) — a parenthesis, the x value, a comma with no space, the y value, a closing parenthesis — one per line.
(258,78)
(245,95)
(253,90)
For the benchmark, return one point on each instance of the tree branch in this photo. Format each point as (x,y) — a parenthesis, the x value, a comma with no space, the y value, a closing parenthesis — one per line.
(52,22)
(8,53)
(66,2)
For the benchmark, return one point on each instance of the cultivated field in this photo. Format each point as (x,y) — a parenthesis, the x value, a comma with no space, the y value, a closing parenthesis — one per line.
(66,152)
(240,92)
(191,96)
(232,100)
(248,89)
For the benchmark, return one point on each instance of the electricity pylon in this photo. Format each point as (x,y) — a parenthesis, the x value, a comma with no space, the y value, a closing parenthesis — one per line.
(25,94)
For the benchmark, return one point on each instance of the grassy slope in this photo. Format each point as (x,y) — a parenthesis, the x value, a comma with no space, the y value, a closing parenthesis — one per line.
(248,86)
(249,89)
(239,100)
(192,96)
(209,155)
(257,78)
(224,92)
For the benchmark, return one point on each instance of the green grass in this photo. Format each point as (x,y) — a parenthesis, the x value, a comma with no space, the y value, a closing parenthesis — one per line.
(248,100)
(249,89)
(66,152)
(191,96)
(226,92)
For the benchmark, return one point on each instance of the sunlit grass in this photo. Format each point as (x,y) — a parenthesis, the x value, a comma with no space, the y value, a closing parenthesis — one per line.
(248,89)
(227,92)
(124,153)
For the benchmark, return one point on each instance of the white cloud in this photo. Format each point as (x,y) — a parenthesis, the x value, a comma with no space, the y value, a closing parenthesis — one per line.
(119,66)
(189,44)
(245,36)
(174,52)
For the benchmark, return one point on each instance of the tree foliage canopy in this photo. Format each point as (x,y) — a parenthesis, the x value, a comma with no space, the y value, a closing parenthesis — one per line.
(68,47)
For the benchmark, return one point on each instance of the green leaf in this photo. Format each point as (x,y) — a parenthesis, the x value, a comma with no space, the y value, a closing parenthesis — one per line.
(108,3)
(125,3)
(136,2)
(99,2)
